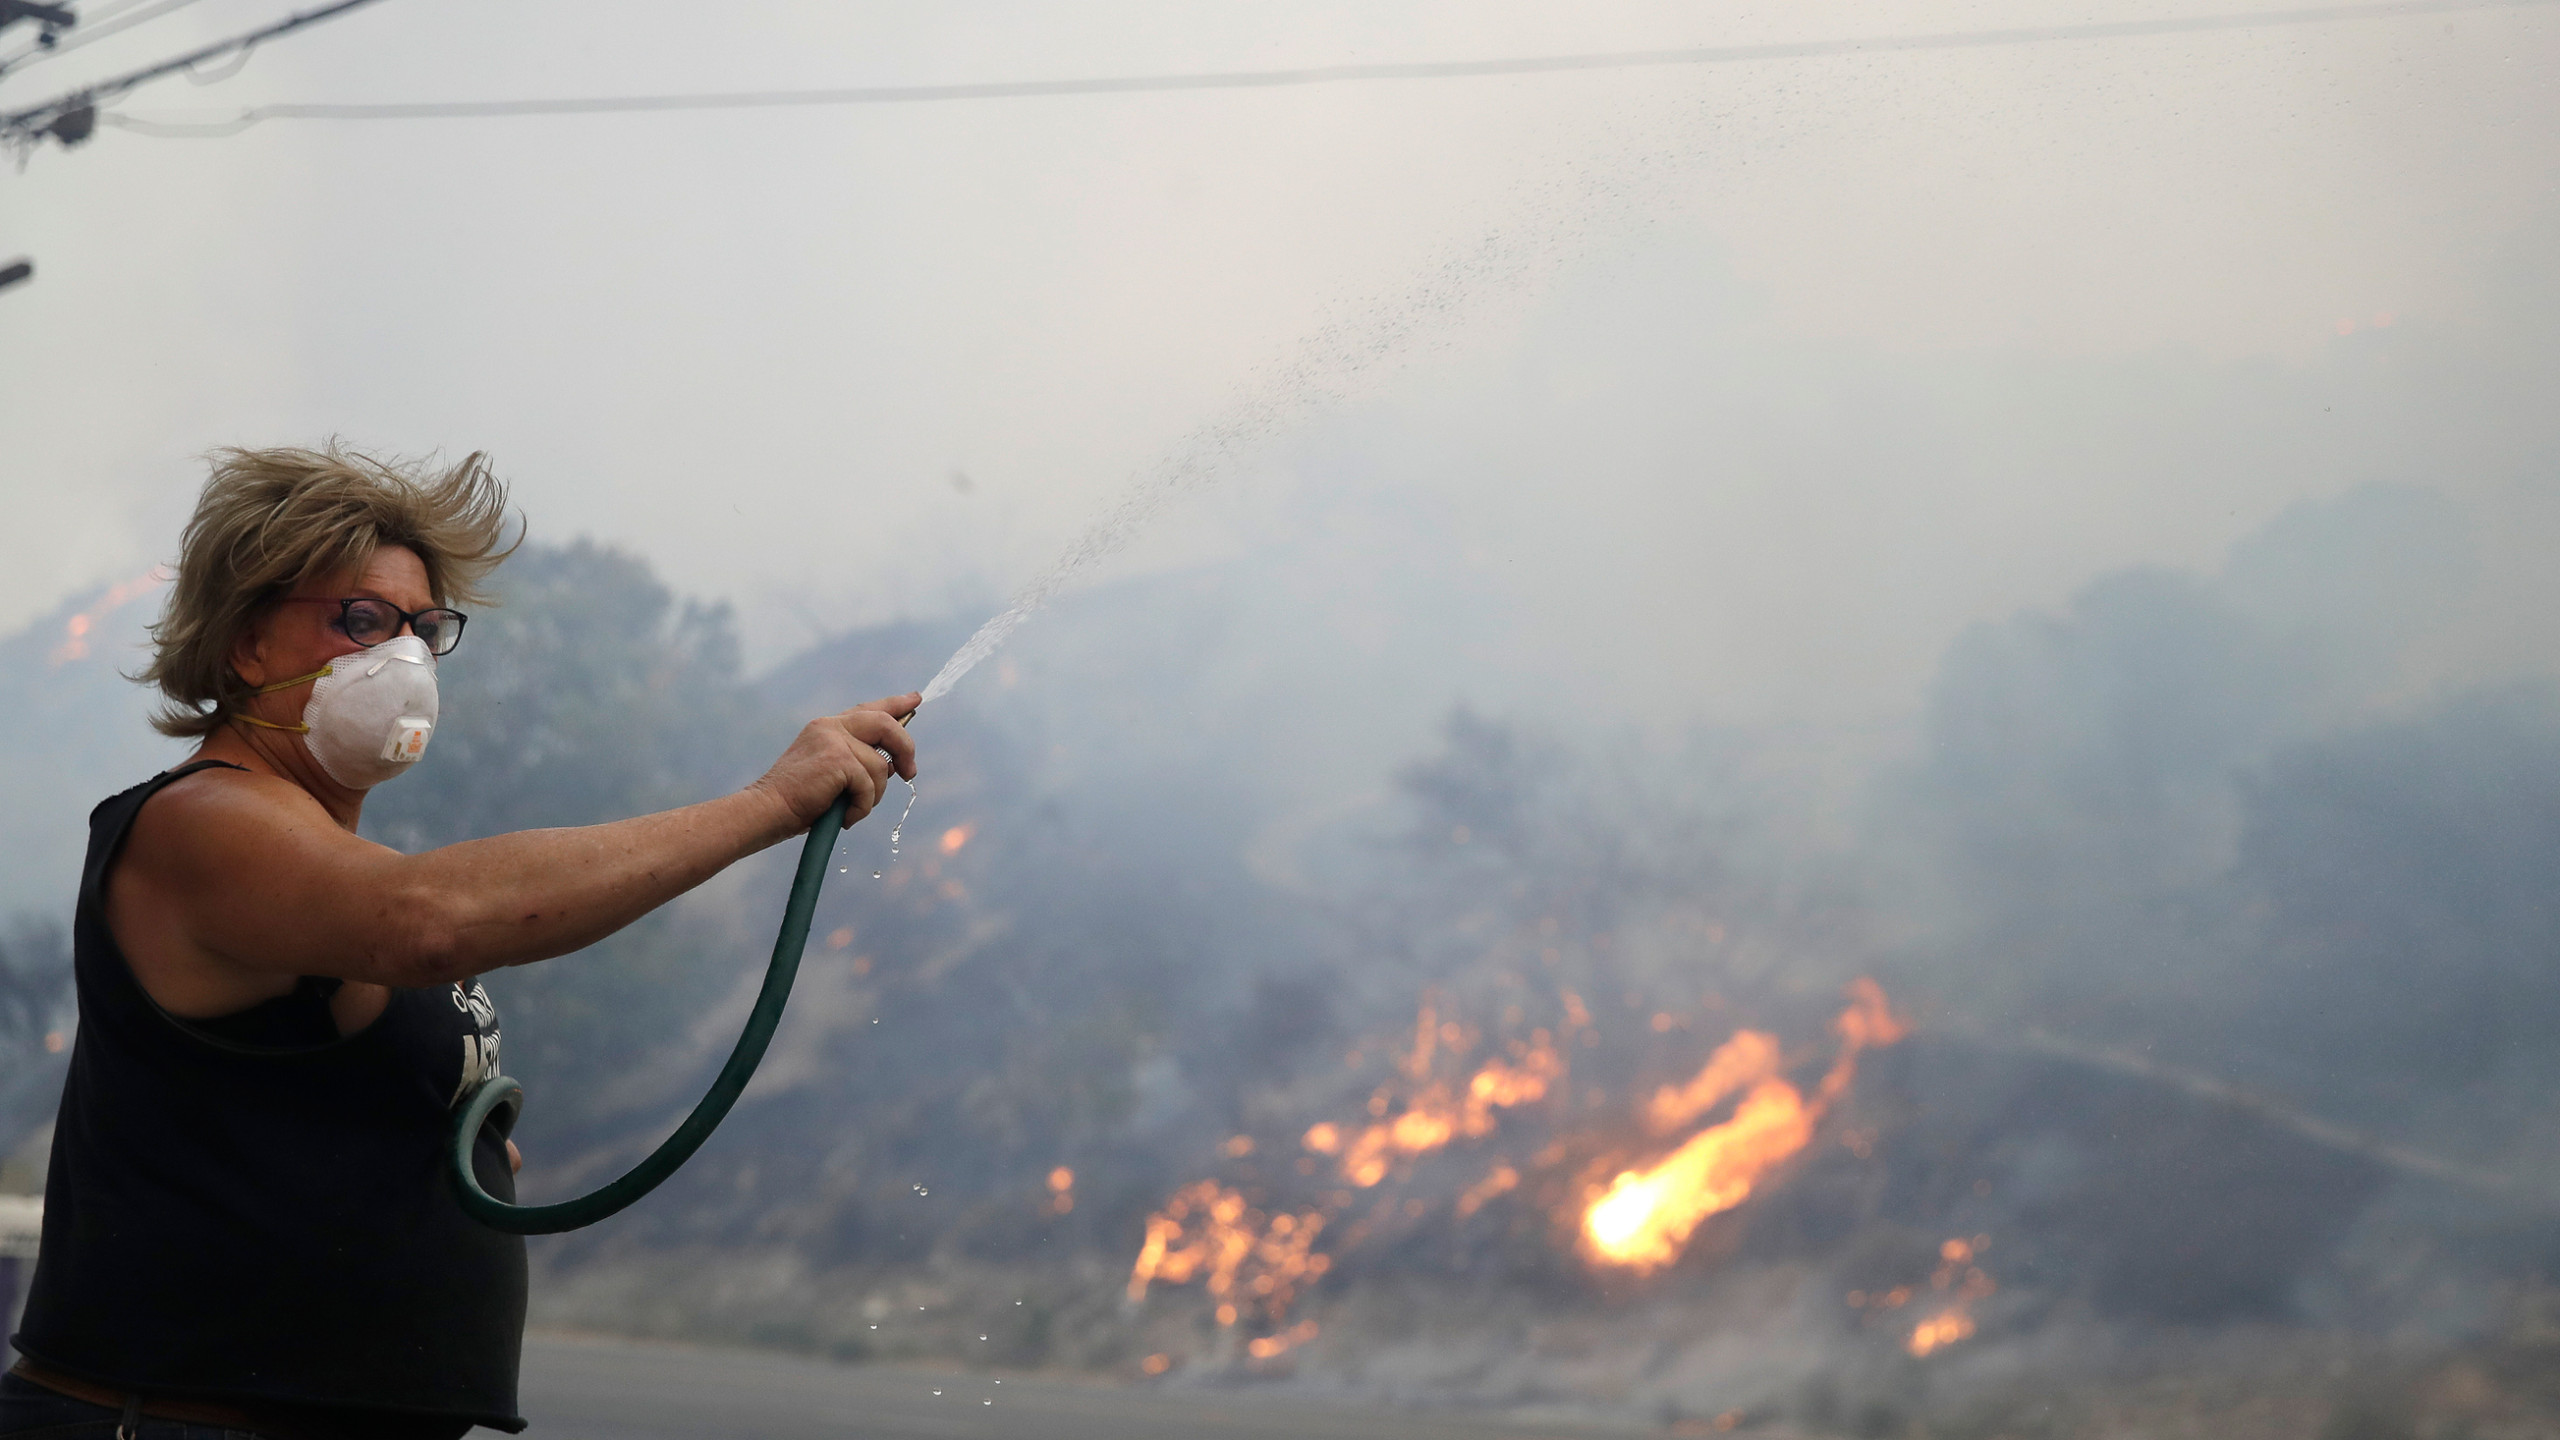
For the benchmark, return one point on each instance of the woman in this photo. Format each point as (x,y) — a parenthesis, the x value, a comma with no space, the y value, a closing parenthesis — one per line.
(246,1226)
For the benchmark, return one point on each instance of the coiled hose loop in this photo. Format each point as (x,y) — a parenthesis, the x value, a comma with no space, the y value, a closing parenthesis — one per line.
(500,1092)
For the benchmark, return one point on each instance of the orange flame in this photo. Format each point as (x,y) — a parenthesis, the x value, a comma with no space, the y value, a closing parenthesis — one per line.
(1945,1328)
(1967,1282)
(1435,1114)
(1282,1343)
(75,641)
(1243,1257)
(1256,1264)
(1500,1179)
(1747,1059)
(1645,1217)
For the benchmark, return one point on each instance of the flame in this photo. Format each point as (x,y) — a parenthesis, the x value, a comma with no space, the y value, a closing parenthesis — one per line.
(1426,1036)
(75,640)
(1967,1282)
(1577,1016)
(1645,1217)
(1750,1057)
(1436,1113)
(1254,1265)
(1496,1181)
(1244,1257)
(1869,1022)
(1945,1328)
(1282,1343)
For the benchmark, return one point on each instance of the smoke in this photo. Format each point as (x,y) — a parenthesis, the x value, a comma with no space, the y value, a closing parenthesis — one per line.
(2211,879)
(2211,912)
(2205,818)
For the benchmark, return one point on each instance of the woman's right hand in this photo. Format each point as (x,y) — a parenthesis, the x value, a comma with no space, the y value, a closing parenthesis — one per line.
(856,751)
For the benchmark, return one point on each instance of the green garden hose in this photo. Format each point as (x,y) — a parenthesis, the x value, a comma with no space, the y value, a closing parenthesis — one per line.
(500,1092)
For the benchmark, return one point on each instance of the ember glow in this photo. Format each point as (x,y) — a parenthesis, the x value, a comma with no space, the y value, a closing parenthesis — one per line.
(1747,1059)
(1255,1264)
(1960,1278)
(1500,1180)
(1645,1217)
(75,637)
(1945,1328)
(1435,1112)
(1270,1346)
(1245,1259)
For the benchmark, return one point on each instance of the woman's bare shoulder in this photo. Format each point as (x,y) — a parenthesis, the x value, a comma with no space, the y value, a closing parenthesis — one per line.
(220,816)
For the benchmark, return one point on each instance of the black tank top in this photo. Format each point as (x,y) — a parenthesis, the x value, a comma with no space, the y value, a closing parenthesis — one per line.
(254,1209)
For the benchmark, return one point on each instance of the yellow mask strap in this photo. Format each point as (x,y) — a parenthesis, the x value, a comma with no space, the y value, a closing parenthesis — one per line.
(282,685)
(296,680)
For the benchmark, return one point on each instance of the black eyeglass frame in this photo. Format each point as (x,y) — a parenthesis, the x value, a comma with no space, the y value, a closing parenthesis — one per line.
(408,618)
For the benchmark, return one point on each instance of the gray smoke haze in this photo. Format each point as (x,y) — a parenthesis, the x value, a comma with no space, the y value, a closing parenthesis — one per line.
(2064,532)
(2218,932)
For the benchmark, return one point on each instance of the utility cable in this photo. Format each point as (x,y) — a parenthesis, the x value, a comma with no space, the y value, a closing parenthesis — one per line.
(115,23)
(109,21)
(1319,75)
(26,126)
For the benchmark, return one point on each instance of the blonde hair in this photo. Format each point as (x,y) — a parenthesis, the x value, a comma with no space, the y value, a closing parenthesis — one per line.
(269,520)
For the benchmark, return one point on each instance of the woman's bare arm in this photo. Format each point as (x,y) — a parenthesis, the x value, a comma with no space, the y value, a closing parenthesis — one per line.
(231,879)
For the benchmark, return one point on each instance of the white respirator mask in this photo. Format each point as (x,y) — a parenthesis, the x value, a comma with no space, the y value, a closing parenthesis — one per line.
(370,715)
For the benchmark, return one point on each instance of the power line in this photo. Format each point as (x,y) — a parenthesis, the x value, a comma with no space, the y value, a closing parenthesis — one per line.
(95,26)
(51,21)
(1321,75)
(116,23)
(48,17)
(69,117)
(111,9)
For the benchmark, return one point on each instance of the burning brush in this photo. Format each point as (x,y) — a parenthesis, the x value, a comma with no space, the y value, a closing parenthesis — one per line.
(1256,1259)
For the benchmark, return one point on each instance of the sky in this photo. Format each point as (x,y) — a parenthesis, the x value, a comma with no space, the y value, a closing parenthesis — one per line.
(1726,393)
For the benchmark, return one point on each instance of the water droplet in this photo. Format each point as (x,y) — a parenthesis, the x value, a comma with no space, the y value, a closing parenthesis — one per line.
(899,830)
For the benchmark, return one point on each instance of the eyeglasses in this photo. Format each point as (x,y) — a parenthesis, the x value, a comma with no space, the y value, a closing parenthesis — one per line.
(368,621)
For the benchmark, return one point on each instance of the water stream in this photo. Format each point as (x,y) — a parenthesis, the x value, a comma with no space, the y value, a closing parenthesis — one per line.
(1548,220)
